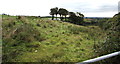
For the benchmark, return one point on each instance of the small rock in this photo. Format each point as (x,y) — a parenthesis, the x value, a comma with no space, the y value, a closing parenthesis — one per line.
(38,24)
(35,50)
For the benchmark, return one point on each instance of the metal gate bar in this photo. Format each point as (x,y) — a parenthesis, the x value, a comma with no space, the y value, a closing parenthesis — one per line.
(100,58)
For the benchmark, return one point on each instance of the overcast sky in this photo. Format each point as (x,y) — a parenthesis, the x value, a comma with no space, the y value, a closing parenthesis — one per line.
(90,8)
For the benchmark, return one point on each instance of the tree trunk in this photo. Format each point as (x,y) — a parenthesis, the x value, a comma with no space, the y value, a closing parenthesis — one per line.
(52,17)
(65,17)
(60,16)
(56,16)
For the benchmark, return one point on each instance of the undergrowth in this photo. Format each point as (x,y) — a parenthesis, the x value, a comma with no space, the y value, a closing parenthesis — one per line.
(31,39)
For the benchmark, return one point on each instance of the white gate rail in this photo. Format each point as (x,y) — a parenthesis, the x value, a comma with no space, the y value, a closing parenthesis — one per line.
(100,58)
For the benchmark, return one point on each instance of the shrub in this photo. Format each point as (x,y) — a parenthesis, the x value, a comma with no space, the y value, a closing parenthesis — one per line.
(112,41)
(27,33)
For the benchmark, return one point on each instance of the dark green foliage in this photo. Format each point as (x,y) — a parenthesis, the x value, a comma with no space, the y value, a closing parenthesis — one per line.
(62,12)
(112,41)
(75,19)
(113,35)
(54,11)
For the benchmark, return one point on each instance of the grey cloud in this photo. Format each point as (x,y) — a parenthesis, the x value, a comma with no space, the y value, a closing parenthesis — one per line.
(119,6)
(104,8)
(86,7)
(108,8)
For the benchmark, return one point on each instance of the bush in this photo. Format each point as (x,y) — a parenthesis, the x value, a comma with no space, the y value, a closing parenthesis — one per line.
(112,41)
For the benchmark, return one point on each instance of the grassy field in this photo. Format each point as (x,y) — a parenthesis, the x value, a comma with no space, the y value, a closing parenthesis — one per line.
(32,39)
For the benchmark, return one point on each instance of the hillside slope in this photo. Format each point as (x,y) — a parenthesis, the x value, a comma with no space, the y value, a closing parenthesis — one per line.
(32,39)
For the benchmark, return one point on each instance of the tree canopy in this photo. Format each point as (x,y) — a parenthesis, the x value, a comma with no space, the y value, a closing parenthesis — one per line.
(76,18)
(53,11)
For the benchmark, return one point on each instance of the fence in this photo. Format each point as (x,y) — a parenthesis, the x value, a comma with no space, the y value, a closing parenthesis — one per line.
(100,58)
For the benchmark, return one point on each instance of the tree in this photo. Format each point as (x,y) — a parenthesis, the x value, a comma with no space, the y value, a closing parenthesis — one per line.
(81,16)
(73,18)
(76,18)
(62,12)
(65,13)
(54,11)
(71,14)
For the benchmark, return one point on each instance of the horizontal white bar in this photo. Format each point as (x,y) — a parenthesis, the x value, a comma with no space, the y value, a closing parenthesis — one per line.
(100,58)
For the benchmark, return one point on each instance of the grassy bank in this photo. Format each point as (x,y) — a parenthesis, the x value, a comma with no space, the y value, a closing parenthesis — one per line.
(32,39)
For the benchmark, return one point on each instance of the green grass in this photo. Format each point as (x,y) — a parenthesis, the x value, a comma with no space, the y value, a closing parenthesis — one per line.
(47,40)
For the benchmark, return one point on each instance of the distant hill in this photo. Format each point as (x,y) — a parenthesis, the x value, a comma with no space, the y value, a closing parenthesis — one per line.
(97,17)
